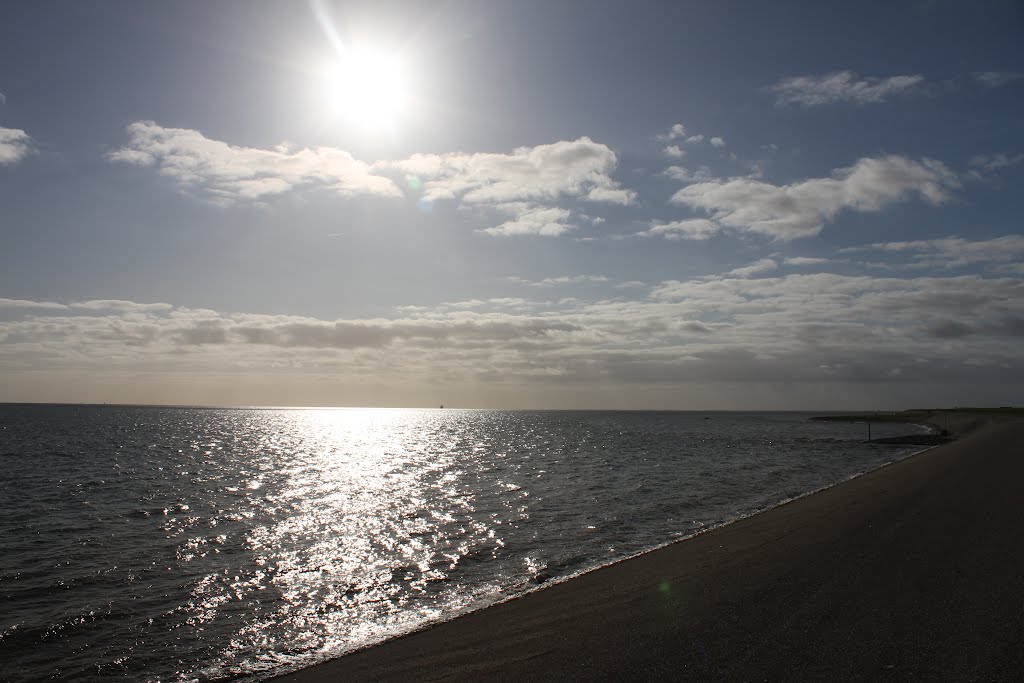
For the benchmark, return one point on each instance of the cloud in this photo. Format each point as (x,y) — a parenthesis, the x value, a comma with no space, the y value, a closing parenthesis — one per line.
(690,229)
(995,79)
(23,303)
(805,261)
(954,252)
(989,163)
(610,195)
(570,280)
(841,86)
(674,152)
(762,266)
(15,145)
(801,209)
(683,174)
(119,305)
(547,222)
(558,281)
(525,182)
(676,132)
(717,142)
(579,168)
(822,329)
(530,178)
(228,173)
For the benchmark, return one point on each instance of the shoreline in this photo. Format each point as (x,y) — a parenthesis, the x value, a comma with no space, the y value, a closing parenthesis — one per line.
(802,589)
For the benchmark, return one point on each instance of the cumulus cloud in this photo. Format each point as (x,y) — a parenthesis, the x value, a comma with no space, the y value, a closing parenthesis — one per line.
(612,195)
(676,132)
(229,173)
(690,229)
(801,209)
(532,178)
(578,168)
(548,222)
(568,168)
(841,86)
(15,145)
(526,181)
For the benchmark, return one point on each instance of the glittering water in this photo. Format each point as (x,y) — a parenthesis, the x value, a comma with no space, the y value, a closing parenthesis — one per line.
(182,544)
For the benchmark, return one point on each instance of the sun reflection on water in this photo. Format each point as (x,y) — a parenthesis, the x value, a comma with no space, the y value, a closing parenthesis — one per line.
(368,522)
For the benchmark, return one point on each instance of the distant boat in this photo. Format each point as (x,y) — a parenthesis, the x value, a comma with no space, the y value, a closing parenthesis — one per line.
(442,407)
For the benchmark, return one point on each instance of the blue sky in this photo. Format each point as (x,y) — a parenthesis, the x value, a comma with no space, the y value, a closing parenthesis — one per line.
(532,204)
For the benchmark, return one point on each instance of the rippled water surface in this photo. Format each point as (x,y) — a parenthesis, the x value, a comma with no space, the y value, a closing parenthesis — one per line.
(183,543)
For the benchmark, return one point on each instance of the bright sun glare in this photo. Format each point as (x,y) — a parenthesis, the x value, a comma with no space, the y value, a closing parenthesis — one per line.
(367,88)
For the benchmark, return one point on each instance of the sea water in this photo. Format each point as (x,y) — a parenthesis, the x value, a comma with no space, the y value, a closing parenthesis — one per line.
(174,544)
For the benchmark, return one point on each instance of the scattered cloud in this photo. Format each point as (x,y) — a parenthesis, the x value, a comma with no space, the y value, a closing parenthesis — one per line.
(1005,253)
(685,175)
(690,229)
(674,152)
(228,174)
(995,79)
(676,132)
(579,168)
(764,265)
(570,280)
(15,145)
(801,209)
(529,179)
(523,182)
(989,163)
(805,261)
(547,222)
(695,139)
(717,142)
(841,86)
(848,86)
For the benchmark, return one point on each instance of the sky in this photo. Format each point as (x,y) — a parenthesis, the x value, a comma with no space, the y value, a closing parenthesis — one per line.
(643,205)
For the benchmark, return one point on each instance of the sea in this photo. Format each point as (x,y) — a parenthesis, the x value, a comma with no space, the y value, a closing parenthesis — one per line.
(208,544)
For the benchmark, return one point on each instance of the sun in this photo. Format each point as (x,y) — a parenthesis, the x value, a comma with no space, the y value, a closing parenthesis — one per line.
(367,88)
